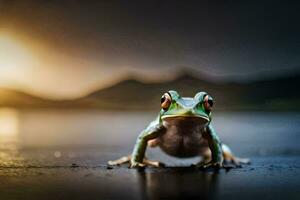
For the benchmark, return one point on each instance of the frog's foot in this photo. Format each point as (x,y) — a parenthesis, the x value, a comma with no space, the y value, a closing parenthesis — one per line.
(230,158)
(137,165)
(147,163)
(211,164)
(127,159)
(153,163)
(120,161)
(237,161)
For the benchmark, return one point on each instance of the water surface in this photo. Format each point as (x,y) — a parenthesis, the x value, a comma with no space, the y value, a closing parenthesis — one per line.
(62,154)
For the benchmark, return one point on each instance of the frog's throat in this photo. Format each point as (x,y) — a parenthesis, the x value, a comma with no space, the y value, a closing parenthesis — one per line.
(191,116)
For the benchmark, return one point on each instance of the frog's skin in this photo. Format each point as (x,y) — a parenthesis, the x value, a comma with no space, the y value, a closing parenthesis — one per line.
(182,129)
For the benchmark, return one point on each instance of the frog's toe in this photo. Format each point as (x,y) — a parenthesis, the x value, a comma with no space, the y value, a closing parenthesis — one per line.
(199,164)
(215,165)
(153,163)
(137,165)
(238,162)
(148,163)
(120,161)
(127,159)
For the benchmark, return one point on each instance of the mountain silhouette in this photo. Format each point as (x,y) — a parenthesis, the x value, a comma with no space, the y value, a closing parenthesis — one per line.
(13,98)
(276,94)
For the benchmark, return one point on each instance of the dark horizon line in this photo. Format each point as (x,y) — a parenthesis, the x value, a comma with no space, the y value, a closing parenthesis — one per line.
(180,74)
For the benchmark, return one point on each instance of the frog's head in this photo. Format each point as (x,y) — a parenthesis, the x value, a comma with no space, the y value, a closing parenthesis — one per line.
(176,107)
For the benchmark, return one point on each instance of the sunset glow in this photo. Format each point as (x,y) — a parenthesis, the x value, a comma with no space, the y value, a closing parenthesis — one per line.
(8,124)
(13,54)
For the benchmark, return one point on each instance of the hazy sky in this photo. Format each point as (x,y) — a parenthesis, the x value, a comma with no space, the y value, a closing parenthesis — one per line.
(67,48)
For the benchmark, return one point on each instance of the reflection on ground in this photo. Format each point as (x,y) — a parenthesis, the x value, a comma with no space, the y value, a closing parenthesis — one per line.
(178,183)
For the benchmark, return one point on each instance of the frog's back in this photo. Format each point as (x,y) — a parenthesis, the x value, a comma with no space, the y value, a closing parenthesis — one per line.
(183,137)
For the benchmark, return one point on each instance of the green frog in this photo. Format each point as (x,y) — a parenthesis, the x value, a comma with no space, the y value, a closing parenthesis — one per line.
(182,129)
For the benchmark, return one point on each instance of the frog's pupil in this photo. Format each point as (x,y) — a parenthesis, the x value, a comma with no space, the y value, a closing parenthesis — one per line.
(210,102)
(162,99)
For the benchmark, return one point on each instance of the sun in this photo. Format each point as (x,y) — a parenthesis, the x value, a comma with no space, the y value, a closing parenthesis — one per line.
(13,53)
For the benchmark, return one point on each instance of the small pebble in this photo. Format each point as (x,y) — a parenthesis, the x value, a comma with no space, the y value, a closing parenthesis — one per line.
(74,165)
(109,167)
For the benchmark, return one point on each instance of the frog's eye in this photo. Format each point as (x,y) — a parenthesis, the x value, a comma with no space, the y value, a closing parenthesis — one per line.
(165,101)
(208,103)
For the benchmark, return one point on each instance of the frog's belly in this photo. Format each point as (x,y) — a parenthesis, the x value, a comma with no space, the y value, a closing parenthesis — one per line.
(184,139)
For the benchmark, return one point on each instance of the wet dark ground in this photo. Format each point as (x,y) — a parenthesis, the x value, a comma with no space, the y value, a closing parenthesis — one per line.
(83,174)
(270,140)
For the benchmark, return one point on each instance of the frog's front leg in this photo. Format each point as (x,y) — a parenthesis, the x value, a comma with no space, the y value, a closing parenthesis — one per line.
(138,154)
(215,147)
(137,159)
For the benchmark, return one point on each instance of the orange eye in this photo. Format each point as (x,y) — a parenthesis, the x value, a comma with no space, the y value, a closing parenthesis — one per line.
(208,103)
(165,101)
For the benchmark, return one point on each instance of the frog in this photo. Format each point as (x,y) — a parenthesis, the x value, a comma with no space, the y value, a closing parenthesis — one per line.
(183,129)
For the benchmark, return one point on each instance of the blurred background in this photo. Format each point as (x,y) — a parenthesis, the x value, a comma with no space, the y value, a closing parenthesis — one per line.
(69,69)
(80,79)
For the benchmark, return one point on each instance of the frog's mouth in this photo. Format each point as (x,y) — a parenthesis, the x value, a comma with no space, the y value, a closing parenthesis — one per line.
(185,116)
(200,119)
